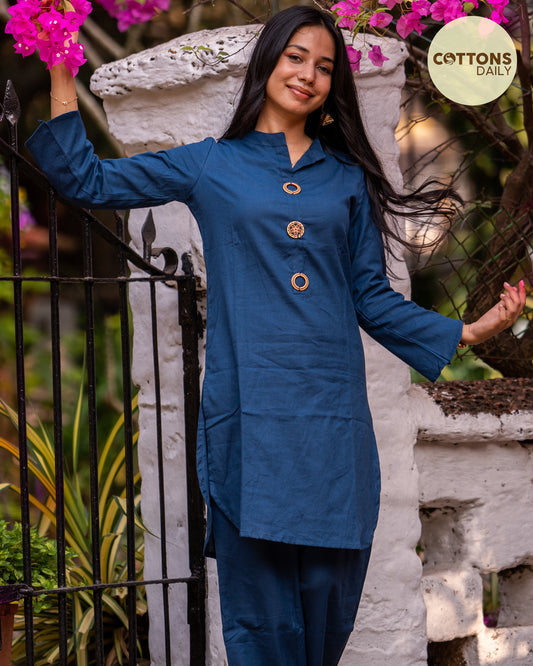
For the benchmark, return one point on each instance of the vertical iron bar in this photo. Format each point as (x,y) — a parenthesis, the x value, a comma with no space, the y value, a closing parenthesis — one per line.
(128,444)
(58,426)
(93,442)
(162,508)
(21,381)
(196,589)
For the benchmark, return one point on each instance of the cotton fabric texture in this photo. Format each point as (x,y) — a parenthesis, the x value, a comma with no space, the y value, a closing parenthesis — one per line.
(286,447)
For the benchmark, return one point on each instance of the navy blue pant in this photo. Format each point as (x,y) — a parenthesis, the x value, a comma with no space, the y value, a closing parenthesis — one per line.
(285,605)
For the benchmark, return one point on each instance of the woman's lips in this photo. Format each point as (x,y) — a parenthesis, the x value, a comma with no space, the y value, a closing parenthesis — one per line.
(300,92)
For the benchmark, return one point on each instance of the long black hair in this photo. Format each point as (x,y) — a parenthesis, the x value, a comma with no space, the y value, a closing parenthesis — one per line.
(346,135)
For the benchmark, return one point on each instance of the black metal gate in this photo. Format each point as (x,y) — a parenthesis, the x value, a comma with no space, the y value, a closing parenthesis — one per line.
(95,587)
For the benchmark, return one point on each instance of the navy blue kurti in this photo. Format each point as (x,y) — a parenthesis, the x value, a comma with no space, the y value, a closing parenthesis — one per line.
(285,446)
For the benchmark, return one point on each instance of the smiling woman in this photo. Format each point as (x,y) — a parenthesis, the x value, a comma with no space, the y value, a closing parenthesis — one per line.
(291,213)
(299,84)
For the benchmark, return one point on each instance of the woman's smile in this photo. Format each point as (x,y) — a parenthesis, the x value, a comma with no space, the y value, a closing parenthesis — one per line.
(299,92)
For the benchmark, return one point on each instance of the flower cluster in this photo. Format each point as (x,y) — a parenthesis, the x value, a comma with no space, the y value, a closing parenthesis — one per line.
(130,12)
(354,15)
(49,26)
(26,219)
(26,222)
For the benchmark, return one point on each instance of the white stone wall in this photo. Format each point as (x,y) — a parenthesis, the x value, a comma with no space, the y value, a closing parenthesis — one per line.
(476,496)
(165,97)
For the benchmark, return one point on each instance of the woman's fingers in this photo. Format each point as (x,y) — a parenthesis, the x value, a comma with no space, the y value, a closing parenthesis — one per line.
(512,302)
(501,316)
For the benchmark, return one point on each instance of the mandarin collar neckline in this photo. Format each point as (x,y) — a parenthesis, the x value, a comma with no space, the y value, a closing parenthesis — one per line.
(313,154)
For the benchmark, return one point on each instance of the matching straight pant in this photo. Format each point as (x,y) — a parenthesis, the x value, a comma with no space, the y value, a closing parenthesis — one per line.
(285,605)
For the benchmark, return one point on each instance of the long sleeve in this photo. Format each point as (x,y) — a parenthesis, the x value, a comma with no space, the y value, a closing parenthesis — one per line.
(424,339)
(63,152)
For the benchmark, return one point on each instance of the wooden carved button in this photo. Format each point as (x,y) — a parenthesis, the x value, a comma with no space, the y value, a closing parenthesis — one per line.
(302,286)
(292,188)
(295,229)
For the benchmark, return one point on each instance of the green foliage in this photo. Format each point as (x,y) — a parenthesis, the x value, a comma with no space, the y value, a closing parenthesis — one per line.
(203,54)
(38,378)
(43,560)
(111,474)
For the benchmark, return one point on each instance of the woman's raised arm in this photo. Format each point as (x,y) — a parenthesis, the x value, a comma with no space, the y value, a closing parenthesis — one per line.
(63,96)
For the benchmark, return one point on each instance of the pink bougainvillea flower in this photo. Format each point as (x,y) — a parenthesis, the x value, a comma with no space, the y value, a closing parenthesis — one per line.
(25,8)
(421,7)
(25,48)
(74,58)
(54,25)
(130,12)
(498,17)
(26,219)
(347,7)
(407,23)
(389,3)
(55,57)
(376,57)
(497,14)
(81,7)
(21,20)
(347,10)
(21,29)
(354,58)
(380,20)
(49,26)
(447,10)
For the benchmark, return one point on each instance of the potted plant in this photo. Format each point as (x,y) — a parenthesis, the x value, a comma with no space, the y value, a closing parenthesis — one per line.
(44,576)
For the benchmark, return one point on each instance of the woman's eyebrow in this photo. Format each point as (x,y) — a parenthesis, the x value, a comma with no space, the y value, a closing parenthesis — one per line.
(302,48)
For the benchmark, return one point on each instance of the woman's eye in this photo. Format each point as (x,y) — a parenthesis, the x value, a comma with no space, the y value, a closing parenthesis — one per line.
(294,57)
(325,70)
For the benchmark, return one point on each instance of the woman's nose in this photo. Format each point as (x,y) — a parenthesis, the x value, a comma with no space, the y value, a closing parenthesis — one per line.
(307,73)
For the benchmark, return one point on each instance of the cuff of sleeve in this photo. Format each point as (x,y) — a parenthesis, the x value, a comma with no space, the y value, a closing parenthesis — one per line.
(450,344)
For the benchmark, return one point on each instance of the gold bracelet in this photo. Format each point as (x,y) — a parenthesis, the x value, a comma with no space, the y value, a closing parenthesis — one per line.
(462,345)
(64,102)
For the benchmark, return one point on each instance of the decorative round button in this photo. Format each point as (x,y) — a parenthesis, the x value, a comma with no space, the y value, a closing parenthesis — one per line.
(292,188)
(295,229)
(300,276)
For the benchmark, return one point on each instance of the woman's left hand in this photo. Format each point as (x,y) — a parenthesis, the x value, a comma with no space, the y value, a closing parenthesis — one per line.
(497,319)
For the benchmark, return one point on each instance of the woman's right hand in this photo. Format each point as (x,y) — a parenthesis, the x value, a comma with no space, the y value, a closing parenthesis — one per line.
(503,315)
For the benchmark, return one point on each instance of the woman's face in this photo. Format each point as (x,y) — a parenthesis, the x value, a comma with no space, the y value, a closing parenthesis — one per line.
(301,80)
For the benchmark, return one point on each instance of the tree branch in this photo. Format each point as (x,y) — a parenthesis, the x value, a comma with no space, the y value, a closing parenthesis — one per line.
(102,38)
(524,69)
(3,11)
(94,58)
(233,2)
(249,14)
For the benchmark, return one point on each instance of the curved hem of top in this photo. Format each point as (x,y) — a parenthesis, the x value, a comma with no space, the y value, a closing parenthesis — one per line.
(251,533)
(295,541)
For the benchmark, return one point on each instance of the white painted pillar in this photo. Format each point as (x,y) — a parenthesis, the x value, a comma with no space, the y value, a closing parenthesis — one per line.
(390,628)
(165,97)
